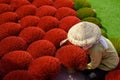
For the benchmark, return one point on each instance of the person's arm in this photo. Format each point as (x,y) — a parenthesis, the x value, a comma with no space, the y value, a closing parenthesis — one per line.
(96,57)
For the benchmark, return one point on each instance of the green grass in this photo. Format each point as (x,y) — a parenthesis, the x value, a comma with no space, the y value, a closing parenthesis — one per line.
(109,13)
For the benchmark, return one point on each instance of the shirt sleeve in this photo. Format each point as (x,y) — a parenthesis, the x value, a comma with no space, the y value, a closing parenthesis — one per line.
(95,57)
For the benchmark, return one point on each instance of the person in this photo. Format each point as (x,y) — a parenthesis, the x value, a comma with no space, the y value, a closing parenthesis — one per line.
(103,56)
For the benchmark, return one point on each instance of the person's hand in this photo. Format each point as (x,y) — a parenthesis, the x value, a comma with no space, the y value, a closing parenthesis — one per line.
(89,66)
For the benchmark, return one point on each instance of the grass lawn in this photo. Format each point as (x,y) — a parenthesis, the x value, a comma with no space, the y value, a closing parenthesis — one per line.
(109,13)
